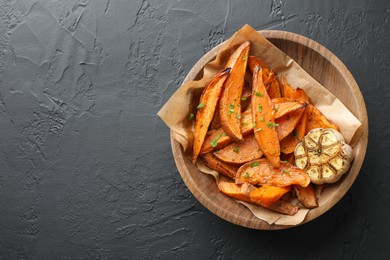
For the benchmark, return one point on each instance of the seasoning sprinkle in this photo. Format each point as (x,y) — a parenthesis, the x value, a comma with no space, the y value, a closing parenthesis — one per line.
(254,164)
(200,106)
(214,142)
(258,93)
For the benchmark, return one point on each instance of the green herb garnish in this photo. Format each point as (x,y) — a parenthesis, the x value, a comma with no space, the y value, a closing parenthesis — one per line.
(200,106)
(235,149)
(191,116)
(260,108)
(258,129)
(243,98)
(258,93)
(254,164)
(246,174)
(215,140)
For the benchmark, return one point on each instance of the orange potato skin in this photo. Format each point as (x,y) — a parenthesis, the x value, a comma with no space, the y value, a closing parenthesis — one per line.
(315,119)
(239,153)
(288,122)
(289,92)
(230,101)
(284,207)
(288,144)
(222,139)
(267,195)
(204,116)
(306,196)
(261,172)
(214,163)
(285,106)
(263,116)
(240,192)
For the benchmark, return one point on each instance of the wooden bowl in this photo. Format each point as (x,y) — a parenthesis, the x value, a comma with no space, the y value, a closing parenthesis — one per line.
(328,70)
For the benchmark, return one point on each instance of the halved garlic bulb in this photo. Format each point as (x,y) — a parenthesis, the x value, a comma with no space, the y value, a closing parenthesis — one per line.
(324,155)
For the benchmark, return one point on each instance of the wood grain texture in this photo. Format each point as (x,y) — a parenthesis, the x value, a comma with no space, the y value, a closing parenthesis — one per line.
(328,70)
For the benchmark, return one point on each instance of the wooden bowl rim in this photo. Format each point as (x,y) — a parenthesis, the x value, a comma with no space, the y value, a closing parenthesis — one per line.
(253,222)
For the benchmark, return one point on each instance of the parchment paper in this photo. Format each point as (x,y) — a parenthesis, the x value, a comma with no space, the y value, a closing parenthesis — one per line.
(184,101)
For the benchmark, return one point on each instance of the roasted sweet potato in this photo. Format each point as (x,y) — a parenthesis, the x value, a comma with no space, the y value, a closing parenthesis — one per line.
(253,61)
(315,119)
(284,106)
(240,192)
(230,101)
(272,86)
(218,138)
(214,163)
(206,108)
(306,196)
(284,207)
(288,144)
(287,123)
(243,192)
(239,153)
(289,92)
(263,114)
(261,172)
(267,195)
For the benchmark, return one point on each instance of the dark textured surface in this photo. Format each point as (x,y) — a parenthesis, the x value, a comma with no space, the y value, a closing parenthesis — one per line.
(86,170)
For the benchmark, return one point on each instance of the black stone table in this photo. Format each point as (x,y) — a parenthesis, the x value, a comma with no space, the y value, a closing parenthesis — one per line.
(86,169)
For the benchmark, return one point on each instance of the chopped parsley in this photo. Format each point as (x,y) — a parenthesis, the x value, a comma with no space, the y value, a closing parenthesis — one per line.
(246,175)
(287,172)
(254,164)
(260,108)
(230,112)
(191,116)
(244,123)
(200,106)
(238,116)
(258,129)
(231,106)
(271,125)
(243,98)
(258,93)
(261,119)
(235,149)
(276,109)
(244,57)
(215,140)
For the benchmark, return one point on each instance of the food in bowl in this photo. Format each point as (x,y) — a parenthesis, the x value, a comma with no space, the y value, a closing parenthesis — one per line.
(248,124)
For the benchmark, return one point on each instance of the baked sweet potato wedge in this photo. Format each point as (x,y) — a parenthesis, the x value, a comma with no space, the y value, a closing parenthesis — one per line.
(306,196)
(284,207)
(239,153)
(263,116)
(315,119)
(272,86)
(290,92)
(230,101)
(261,172)
(206,108)
(214,163)
(288,144)
(218,138)
(267,195)
(287,123)
(253,62)
(239,192)
(284,106)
